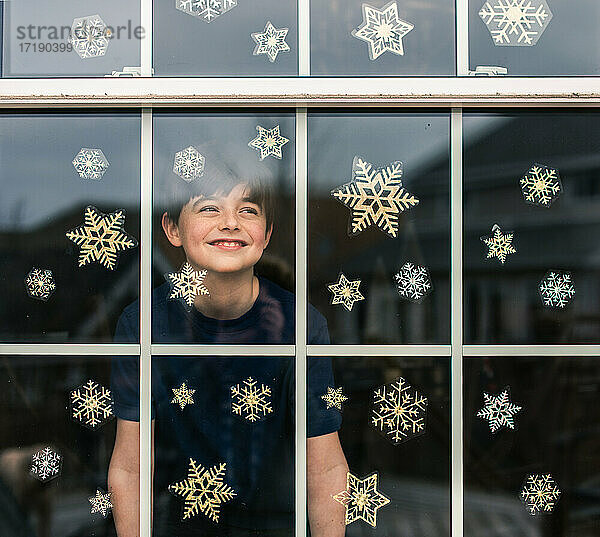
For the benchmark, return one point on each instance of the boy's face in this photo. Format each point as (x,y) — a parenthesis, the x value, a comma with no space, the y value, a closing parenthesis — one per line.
(222,233)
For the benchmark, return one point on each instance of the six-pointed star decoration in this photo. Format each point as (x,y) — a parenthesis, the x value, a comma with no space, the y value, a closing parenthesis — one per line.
(183,396)
(361,499)
(89,36)
(270,42)
(90,163)
(101,237)
(539,493)
(92,404)
(499,244)
(268,142)
(345,292)
(382,29)
(187,284)
(541,185)
(334,398)
(498,410)
(101,503)
(40,283)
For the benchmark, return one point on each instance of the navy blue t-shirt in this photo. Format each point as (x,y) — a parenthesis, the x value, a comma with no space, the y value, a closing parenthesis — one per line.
(259,456)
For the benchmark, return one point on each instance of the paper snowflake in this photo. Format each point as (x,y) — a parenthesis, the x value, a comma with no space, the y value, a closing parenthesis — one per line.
(516,23)
(250,401)
(101,237)
(101,503)
(268,142)
(189,164)
(413,282)
(40,283)
(399,411)
(361,499)
(89,36)
(90,163)
(375,196)
(382,29)
(557,289)
(46,464)
(270,42)
(203,491)
(541,185)
(499,244)
(498,410)
(345,292)
(187,284)
(540,493)
(182,396)
(334,398)
(91,404)
(207,10)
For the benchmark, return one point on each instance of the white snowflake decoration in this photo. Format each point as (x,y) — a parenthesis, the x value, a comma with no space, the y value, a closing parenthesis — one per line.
(334,398)
(207,10)
(183,396)
(91,404)
(413,282)
(345,292)
(90,163)
(46,464)
(270,42)
(40,283)
(361,499)
(399,411)
(516,23)
(382,29)
(375,196)
(189,164)
(101,503)
(499,244)
(557,289)
(250,401)
(89,36)
(498,410)
(540,493)
(187,284)
(268,142)
(541,185)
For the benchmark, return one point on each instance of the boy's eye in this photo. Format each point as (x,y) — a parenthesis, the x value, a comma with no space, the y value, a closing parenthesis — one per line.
(250,210)
(207,208)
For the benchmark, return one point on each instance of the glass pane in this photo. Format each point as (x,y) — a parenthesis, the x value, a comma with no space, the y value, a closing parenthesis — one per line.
(396,427)
(221,38)
(224,253)
(47,38)
(379,248)
(351,37)
(69,217)
(532,185)
(539,475)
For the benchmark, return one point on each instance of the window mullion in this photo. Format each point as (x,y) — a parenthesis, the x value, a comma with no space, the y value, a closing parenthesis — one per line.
(304,37)
(146,43)
(462,37)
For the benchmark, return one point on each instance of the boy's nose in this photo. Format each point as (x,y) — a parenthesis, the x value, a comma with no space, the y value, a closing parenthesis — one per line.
(229,220)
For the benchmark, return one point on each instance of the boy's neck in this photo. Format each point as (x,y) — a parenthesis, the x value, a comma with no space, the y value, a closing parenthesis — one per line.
(231,295)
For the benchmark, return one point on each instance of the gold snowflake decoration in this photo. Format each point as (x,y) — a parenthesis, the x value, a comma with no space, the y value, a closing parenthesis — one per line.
(334,397)
(361,499)
(499,244)
(182,396)
(101,237)
(250,401)
(541,185)
(345,292)
(268,142)
(91,404)
(101,503)
(540,493)
(375,196)
(187,284)
(203,491)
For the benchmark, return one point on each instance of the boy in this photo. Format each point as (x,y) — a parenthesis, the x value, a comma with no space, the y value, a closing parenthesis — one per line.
(223,224)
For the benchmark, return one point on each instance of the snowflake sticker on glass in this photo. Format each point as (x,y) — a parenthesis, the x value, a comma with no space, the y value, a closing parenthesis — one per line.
(539,493)
(270,42)
(334,398)
(345,292)
(91,404)
(557,289)
(183,396)
(499,244)
(46,464)
(399,411)
(413,282)
(251,402)
(541,185)
(101,503)
(375,196)
(361,499)
(89,36)
(203,491)
(516,23)
(186,285)
(268,142)
(498,410)
(40,283)
(382,29)
(189,164)
(90,163)
(206,10)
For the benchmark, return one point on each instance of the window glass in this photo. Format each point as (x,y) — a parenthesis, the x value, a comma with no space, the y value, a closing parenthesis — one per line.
(550,446)
(352,37)
(531,215)
(228,38)
(62,38)
(379,247)
(69,219)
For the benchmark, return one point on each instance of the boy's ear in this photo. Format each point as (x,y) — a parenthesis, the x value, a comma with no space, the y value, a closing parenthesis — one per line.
(171,230)
(268,235)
